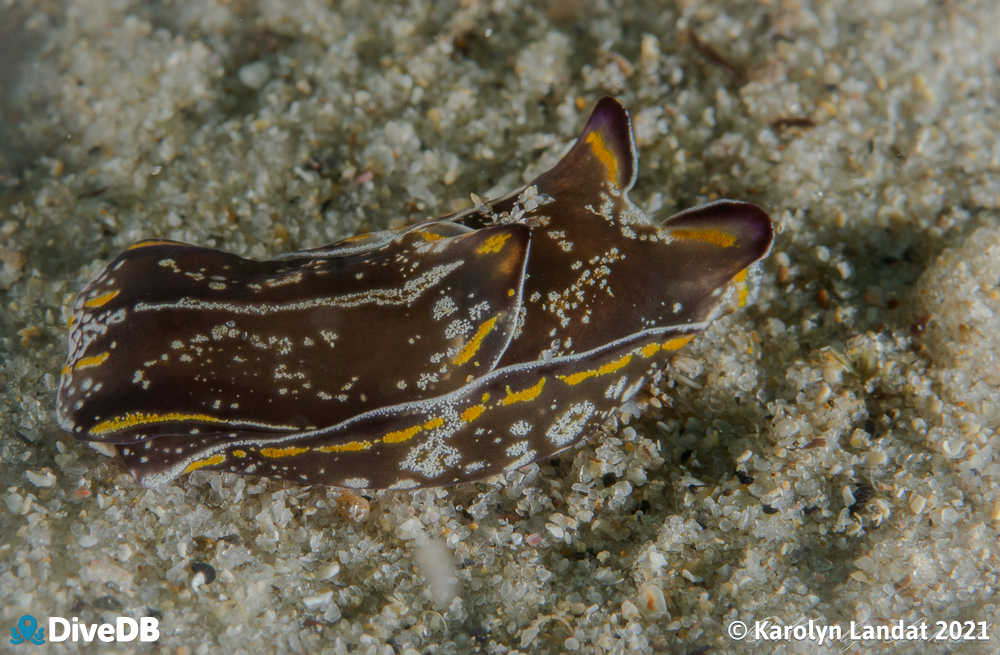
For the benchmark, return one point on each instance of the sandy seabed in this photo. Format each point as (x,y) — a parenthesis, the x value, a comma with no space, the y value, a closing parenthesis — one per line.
(827,456)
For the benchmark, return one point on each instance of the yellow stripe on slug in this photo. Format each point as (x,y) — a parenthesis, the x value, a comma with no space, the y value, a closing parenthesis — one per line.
(600,149)
(715,237)
(472,413)
(349,447)
(494,244)
(142,418)
(475,343)
(677,342)
(744,290)
(208,461)
(357,237)
(150,243)
(610,367)
(288,451)
(616,365)
(240,453)
(96,360)
(401,435)
(103,299)
(429,236)
(649,350)
(524,395)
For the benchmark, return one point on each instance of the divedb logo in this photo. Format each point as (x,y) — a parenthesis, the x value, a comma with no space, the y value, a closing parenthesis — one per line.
(124,629)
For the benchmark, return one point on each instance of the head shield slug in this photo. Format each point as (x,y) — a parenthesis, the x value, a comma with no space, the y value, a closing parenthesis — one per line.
(448,351)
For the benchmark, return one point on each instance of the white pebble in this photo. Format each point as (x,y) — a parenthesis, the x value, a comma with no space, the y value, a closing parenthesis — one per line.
(317,601)
(44,479)
(255,75)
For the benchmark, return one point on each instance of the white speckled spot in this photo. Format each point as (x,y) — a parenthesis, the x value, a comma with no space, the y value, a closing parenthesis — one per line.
(431,458)
(517,448)
(570,423)
(520,428)
(444,307)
